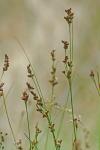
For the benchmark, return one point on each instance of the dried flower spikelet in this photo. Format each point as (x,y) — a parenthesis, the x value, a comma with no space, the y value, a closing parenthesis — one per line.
(58,143)
(70,16)
(30,74)
(53,79)
(70,64)
(51,126)
(19,144)
(25,96)
(92,74)
(6,63)
(77,120)
(2,139)
(53,55)
(45,114)
(39,103)
(69,74)
(1,89)
(65,61)
(29,86)
(38,131)
(66,44)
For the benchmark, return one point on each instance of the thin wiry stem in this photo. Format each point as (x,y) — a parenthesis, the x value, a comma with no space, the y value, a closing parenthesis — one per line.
(9,120)
(70,78)
(36,148)
(52,91)
(46,142)
(54,137)
(72,40)
(72,107)
(28,124)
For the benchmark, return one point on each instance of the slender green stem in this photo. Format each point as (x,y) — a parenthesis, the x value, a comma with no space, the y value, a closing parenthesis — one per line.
(70,42)
(72,36)
(70,78)
(72,107)
(46,142)
(53,134)
(9,120)
(52,91)
(36,148)
(28,125)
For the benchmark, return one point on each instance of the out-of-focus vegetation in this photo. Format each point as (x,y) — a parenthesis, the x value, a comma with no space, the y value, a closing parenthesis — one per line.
(39,26)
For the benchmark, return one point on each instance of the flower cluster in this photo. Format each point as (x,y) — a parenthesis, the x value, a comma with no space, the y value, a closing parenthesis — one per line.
(2,139)
(25,96)
(30,74)
(37,132)
(70,16)
(66,44)
(19,144)
(6,63)
(53,81)
(1,88)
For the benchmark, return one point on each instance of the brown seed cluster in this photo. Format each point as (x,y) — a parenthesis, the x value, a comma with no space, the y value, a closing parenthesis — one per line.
(2,140)
(68,68)
(30,74)
(70,16)
(53,55)
(1,89)
(68,63)
(53,79)
(77,120)
(25,96)
(39,103)
(92,74)
(37,132)
(6,63)
(19,144)
(66,44)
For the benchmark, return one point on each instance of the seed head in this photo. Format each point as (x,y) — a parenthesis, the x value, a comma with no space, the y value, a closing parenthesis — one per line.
(70,16)
(6,63)
(25,96)
(91,73)
(65,44)
(30,74)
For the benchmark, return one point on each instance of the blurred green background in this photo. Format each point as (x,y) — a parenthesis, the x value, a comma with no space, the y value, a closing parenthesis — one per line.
(40,27)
